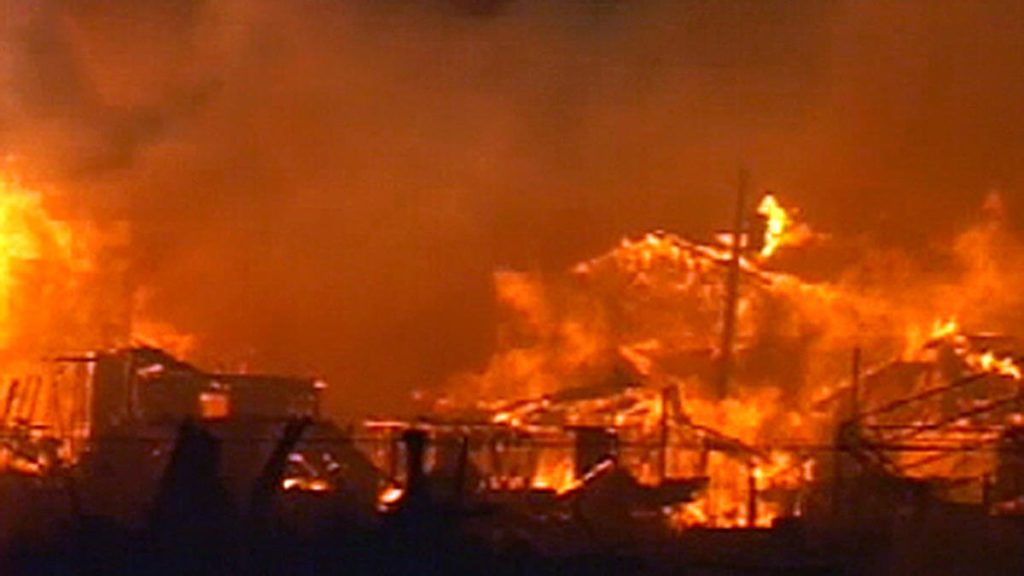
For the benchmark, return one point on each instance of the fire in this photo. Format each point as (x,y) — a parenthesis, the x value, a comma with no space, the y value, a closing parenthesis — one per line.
(666,293)
(38,254)
(743,465)
(776,225)
(302,484)
(554,474)
(63,284)
(163,335)
(389,497)
(780,226)
(62,290)
(942,329)
(688,515)
(628,341)
(989,362)
(984,360)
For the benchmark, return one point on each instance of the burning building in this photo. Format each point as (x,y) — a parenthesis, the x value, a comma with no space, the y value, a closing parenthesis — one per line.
(342,189)
(614,366)
(617,362)
(107,419)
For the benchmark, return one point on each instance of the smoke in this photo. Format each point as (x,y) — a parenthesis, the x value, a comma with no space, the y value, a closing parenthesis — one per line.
(329,186)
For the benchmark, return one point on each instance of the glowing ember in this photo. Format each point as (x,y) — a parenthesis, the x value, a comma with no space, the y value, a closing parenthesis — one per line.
(989,362)
(391,495)
(302,484)
(389,498)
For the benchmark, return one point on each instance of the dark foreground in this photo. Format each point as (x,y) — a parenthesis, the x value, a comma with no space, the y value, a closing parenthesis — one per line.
(194,527)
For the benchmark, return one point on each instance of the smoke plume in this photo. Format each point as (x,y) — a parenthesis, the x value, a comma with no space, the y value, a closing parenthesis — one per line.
(327,187)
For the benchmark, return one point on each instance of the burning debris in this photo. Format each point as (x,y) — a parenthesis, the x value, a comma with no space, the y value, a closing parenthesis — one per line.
(605,372)
(324,188)
(626,343)
(598,416)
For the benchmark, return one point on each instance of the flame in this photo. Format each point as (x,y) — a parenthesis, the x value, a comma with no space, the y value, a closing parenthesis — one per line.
(950,332)
(30,236)
(989,362)
(672,291)
(688,515)
(554,474)
(303,484)
(63,282)
(775,226)
(63,288)
(942,329)
(390,496)
(152,332)
(780,227)
(606,344)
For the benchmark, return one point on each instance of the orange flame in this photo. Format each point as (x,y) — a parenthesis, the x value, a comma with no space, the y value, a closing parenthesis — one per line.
(644,318)
(29,235)
(554,474)
(780,227)
(62,289)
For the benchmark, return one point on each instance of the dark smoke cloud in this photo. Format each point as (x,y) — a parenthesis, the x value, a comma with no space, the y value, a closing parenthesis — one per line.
(327,186)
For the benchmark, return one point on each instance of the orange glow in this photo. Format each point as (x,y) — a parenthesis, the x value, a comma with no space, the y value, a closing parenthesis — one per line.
(944,329)
(780,227)
(984,360)
(776,225)
(151,332)
(391,495)
(30,238)
(63,290)
(301,484)
(989,362)
(554,474)
(214,405)
(640,323)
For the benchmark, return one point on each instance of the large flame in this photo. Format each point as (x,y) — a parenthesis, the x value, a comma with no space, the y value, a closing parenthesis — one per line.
(64,284)
(643,319)
(46,268)
(63,289)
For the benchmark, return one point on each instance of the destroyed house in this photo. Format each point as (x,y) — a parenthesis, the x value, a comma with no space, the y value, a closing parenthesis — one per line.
(147,385)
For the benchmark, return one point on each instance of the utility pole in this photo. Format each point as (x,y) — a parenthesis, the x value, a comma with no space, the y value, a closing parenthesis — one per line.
(842,434)
(663,444)
(732,288)
(855,385)
(751,494)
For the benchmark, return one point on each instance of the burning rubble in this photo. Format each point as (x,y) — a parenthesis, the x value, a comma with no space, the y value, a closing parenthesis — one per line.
(64,289)
(627,344)
(607,374)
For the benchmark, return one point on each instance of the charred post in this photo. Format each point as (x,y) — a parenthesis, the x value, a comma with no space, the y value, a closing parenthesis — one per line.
(732,288)
(415,442)
(593,445)
(855,384)
(751,494)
